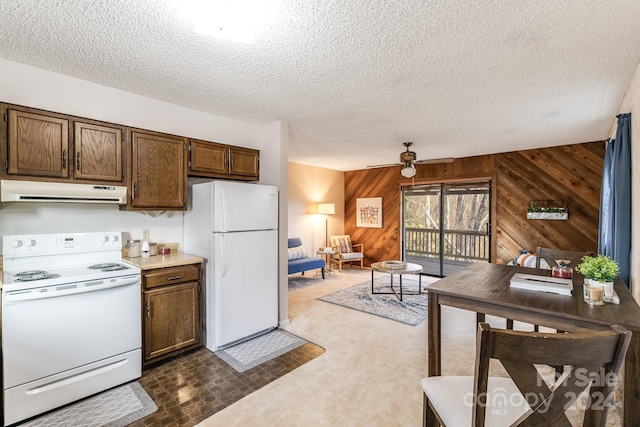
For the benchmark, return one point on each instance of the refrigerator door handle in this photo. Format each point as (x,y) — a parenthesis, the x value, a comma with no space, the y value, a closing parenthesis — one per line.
(223,216)
(222,265)
(221,211)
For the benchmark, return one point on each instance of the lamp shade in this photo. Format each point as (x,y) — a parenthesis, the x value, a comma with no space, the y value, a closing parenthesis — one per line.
(408,171)
(327,208)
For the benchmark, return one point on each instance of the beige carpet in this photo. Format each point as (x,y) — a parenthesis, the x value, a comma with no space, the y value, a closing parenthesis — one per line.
(371,370)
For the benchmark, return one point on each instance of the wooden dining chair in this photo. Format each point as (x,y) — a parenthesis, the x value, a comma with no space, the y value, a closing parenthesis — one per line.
(551,255)
(593,361)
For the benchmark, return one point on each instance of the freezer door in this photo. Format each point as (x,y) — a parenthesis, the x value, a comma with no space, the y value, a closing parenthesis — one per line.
(245,285)
(241,206)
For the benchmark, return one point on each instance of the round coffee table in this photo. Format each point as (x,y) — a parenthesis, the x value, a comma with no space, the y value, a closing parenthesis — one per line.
(399,268)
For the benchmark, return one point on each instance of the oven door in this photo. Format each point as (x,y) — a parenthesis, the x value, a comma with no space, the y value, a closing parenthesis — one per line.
(51,330)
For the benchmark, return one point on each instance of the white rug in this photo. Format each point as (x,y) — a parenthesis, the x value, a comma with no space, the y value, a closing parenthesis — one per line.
(116,407)
(258,350)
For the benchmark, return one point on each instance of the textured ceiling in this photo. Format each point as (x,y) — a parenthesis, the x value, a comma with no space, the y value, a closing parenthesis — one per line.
(354,79)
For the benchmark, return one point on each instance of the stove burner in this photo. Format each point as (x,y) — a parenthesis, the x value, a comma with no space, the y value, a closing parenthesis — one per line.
(108,266)
(29,273)
(39,275)
(115,268)
(101,266)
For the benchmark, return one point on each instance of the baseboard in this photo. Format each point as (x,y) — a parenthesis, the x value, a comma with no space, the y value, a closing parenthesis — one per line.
(283,323)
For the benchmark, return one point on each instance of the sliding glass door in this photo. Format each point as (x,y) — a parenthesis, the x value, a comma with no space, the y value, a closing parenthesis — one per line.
(446,226)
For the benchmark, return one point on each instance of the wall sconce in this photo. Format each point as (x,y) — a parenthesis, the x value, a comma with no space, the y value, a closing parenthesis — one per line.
(326,209)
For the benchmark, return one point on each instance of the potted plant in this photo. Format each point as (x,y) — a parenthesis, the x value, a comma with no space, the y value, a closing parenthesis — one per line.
(548,209)
(600,268)
(599,271)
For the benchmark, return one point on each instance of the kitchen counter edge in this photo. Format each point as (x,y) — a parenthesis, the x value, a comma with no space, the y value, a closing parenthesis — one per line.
(161,261)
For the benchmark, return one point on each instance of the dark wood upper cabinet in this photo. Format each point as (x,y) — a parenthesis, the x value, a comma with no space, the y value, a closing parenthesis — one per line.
(48,146)
(244,162)
(38,145)
(158,171)
(209,158)
(42,145)
(213,160)
(98,152)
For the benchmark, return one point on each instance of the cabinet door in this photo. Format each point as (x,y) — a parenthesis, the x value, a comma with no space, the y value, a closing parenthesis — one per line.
(38,145)
(159,171)
(98,152)
(244,162)
(209,158)
(171,318)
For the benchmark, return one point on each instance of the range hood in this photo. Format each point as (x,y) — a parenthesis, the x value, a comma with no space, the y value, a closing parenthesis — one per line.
(35,191)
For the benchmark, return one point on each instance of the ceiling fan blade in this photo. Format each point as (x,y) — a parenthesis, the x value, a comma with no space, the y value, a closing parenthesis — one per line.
(434,161)
(384,166)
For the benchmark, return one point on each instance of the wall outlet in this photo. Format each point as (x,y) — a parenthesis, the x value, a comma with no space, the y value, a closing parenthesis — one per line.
(145,234)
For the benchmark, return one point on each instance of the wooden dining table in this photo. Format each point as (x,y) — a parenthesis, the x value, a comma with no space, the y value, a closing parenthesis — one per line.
(484,288)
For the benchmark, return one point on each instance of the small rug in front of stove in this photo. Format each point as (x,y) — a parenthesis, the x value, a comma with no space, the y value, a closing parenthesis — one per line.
(116,407)
(249,354)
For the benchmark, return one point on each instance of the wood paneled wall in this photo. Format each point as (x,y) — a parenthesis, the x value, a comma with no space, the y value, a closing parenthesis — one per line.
(571,172)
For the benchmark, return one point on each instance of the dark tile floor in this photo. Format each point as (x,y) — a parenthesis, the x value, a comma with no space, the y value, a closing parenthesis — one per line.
(194,386)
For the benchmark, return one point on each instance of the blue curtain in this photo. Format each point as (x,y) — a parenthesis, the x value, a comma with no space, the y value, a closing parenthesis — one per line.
(615,200)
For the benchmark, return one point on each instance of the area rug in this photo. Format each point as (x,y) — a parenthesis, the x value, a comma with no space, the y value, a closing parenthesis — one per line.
(113,408)
(256,351)
(411,311)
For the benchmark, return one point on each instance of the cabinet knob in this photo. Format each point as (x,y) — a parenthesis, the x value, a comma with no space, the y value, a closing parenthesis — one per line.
(64,159)
(78,161)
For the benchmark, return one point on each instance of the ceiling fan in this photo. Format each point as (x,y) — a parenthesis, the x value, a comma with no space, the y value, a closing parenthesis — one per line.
(408,160)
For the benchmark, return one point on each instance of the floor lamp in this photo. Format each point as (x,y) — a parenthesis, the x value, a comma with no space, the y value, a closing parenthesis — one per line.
(326,209)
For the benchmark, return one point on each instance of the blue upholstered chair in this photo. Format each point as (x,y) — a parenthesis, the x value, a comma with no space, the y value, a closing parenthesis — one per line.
(299,262)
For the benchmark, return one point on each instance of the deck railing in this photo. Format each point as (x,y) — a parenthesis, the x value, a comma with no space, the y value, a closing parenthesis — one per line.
(458,245)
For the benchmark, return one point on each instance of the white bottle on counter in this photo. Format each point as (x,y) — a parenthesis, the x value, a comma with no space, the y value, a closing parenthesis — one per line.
(145,249)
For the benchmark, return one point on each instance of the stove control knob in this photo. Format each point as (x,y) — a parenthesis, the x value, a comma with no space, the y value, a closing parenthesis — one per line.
(29,242)
(113,238)
(16,243)
(104,239)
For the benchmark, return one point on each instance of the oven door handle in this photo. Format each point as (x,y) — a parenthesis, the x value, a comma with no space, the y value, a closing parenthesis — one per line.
(18,296)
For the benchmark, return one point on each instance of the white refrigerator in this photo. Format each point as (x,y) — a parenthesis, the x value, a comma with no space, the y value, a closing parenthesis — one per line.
(234,227)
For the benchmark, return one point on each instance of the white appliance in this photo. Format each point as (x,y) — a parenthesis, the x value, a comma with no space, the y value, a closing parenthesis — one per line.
(71,323)
(234,227)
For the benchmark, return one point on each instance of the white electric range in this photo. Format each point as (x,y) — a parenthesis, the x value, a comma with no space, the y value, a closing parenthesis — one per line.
(71,324)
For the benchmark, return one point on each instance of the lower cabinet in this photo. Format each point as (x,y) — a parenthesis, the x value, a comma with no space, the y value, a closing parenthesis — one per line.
(171,311)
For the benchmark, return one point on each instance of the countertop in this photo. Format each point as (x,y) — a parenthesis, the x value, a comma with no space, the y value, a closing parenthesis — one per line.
(161,261)
(156,261)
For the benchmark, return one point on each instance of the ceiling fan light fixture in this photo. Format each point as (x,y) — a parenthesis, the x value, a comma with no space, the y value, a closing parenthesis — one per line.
(409,171)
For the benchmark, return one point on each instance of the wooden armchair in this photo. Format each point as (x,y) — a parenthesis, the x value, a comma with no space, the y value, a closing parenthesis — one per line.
(345,251)
(525,398)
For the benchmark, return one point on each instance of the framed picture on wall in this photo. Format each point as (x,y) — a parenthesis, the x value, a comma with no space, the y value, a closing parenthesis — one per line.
(369,212)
